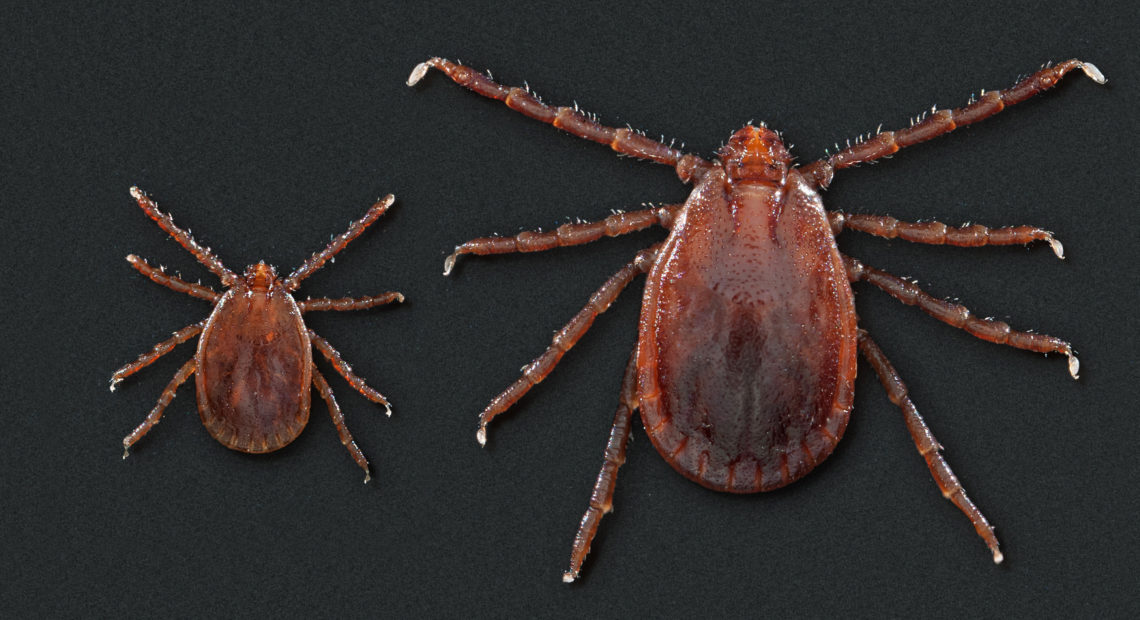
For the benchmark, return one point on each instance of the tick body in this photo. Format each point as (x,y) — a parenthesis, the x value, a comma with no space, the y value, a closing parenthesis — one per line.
(254,368)
(746,358)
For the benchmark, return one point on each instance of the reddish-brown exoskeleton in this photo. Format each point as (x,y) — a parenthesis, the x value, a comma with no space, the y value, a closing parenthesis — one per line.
(254,364)
(745,365)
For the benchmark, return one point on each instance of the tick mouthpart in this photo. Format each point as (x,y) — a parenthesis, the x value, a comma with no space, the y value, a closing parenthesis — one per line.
(755,155)
(260,276)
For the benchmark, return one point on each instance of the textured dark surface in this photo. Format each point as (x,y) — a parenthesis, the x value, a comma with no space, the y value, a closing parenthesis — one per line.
(265,129)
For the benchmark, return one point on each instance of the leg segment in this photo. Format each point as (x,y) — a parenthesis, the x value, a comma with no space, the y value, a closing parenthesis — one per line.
(316,261)
(160,349)
(571,120)
(937,233)
(958,315)
(927,445)
(601,500)
(338,420)
(171,282)
(565,339)
(342,367)
(155,414)
(349,303)
(944,121)
(566,235)
(165,222)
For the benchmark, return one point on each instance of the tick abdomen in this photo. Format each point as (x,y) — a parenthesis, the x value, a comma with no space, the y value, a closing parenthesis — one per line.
(752,387)
(254,372)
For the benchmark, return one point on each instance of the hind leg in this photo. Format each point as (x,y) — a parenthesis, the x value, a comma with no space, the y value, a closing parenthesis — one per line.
(601,500)
(338,420)
(927,445)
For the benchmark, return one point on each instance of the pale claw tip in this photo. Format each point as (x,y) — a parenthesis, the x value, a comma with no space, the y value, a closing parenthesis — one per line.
(400,297)
(367,477)
(126,453)
(569,577)
(449,264)
(137,193)
(481,436)
(421,70)
(1058,249)
(998,557)
(387,410)
(1074,366)
(1093,73)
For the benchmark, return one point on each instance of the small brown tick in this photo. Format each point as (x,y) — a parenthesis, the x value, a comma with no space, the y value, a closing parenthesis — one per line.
(254,364)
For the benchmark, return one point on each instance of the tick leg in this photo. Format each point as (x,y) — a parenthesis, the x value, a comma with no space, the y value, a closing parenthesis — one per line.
(565,339)
(567,234)
(958,315)
(927,445)
(155,414)
(342,367)
(316,261)
(160,349)
(944,121)
(338,420)
(172,282)
(570,120)
(349,303)
(601,500)
(165,222)
(937,233)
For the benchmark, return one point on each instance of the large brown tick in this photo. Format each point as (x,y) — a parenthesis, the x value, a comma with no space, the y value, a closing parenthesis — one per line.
(745,364)
(254,364)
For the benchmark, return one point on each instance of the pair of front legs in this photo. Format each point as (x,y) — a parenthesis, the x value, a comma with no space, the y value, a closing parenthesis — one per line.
(903,290)
(291,283)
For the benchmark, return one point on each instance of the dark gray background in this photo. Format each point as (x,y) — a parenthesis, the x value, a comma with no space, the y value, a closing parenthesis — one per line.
(265,129)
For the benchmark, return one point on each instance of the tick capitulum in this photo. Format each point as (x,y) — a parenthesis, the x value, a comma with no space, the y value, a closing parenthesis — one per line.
(745,365)
(254,367)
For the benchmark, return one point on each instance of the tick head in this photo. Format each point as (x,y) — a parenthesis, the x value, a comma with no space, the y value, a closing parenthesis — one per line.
(260,276)
(755,155)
